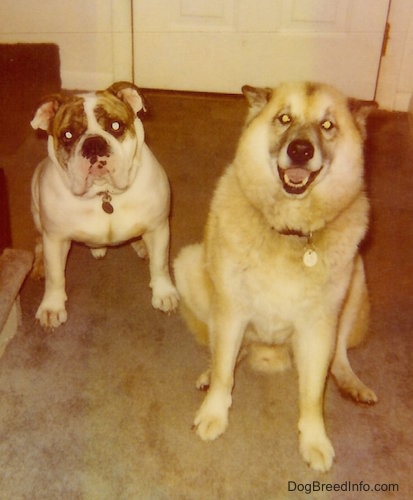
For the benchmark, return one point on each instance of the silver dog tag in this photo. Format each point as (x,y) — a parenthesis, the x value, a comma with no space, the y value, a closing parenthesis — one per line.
(310,257)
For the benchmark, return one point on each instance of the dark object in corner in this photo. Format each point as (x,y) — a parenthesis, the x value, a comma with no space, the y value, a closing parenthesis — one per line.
(28,72)
(5,232)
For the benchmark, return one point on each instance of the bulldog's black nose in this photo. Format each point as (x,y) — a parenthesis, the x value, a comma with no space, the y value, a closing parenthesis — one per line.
(300,150)
(95,146)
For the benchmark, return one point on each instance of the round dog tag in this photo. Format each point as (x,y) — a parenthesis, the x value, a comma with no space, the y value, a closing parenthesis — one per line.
(310,257)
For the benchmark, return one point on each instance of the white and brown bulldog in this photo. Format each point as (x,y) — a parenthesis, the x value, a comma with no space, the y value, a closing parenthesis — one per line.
(100,185)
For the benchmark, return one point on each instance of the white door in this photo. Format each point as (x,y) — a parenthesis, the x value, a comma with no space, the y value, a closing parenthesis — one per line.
(220,45)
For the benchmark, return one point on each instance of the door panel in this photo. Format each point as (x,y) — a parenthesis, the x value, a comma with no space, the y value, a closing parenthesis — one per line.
(219,45)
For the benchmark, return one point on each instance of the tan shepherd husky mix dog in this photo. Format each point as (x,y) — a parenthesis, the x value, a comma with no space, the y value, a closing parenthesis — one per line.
(279,269)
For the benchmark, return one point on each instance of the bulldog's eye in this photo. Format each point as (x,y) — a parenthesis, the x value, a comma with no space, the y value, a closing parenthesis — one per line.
(116,128)
(67,136)
(327,125)
(285,119)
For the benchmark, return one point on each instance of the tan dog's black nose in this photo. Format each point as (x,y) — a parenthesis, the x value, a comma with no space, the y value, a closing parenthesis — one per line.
(300,151)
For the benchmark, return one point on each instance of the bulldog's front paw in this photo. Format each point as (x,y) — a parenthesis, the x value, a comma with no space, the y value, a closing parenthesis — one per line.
(51,313)
(51,319)
(317,450)
(164,295)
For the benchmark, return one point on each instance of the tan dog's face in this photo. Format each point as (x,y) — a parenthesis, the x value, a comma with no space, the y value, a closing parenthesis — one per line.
(93,137)
(309,129)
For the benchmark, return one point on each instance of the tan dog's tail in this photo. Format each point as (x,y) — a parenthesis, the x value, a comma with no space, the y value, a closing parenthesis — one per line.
(194,288)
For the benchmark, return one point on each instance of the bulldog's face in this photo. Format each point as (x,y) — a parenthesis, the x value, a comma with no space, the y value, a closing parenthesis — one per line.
(95,138)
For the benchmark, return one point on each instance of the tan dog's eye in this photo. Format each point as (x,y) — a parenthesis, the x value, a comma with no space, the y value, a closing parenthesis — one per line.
(285,119)
(115,126)
(327,125)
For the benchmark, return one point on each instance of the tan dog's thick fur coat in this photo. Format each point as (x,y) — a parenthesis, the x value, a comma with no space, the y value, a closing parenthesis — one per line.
(279,268)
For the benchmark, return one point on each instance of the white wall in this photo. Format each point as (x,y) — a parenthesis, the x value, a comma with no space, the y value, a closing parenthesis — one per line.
(95,42)
(94,36)
(395,84)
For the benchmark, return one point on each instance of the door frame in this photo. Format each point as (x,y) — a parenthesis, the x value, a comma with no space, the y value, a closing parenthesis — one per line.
(393,67)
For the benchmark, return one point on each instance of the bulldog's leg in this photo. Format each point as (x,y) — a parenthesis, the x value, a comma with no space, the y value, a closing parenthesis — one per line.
(312,351)
(140,248)
(98,253)
(164,294)
(227,330)
(352,327)
(52,312)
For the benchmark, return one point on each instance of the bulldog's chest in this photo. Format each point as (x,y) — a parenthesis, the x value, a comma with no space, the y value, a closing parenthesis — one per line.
(106,219)
(102,222)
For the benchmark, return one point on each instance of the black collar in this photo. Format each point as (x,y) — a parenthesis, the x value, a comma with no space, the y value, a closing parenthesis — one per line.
(293,232)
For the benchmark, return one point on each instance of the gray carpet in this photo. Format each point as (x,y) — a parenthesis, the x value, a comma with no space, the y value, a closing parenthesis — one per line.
(102,408)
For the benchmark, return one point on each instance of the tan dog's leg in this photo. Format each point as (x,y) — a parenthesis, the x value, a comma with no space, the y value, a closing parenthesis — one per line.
(52,312)
(164,294)
(194,289)
(220,327)
(352,327)
(226,334)
(312,352)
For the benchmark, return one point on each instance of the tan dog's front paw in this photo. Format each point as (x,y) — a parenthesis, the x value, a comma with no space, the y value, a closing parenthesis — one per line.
(209,427)
(317,450)
(212,418)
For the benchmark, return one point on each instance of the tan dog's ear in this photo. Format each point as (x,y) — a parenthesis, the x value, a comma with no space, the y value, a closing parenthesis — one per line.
(47,111)
(360,110)
(128,92)
(257,98)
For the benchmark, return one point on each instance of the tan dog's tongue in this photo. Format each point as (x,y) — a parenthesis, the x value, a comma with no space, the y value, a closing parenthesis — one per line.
(296,174)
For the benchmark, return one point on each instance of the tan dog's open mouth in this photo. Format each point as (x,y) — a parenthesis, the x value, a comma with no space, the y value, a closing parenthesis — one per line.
(296,180)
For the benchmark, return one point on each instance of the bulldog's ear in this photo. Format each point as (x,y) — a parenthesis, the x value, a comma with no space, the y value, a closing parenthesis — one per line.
(257,98)
(360,110)
(47,111)
(128,92)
